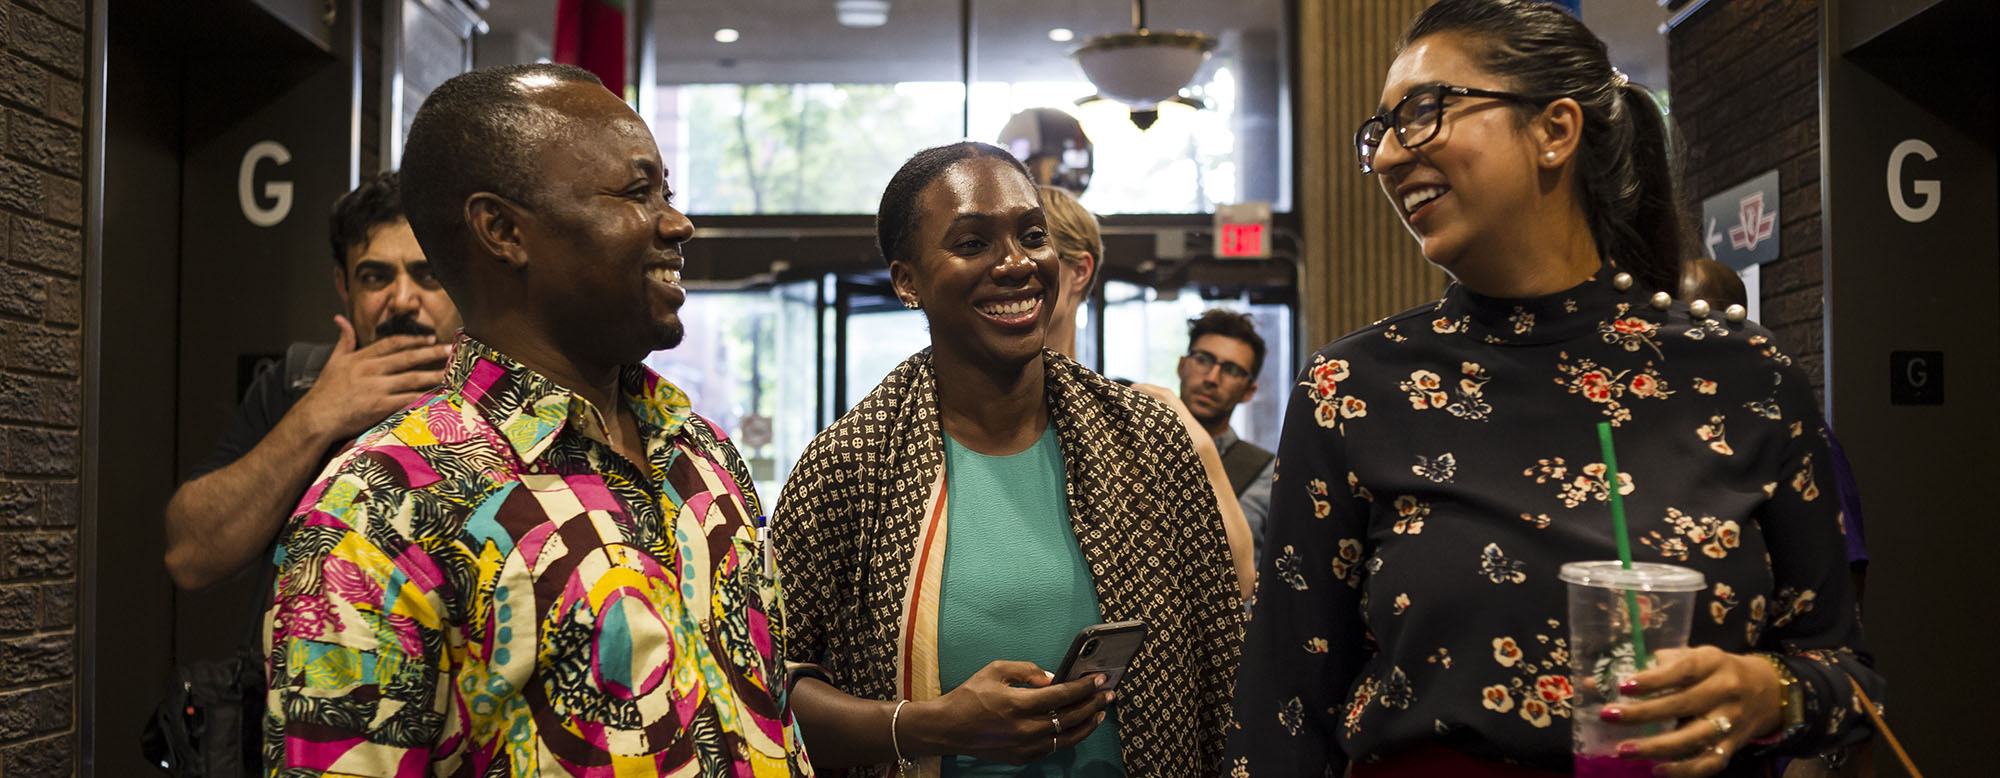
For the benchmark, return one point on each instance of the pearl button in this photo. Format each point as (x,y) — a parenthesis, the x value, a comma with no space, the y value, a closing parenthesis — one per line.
(1661,300)
(1736,313)
(1622,281)
(1699,309)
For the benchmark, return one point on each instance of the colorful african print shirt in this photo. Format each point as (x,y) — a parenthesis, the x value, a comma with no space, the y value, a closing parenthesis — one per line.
(483,587)
(1439,467)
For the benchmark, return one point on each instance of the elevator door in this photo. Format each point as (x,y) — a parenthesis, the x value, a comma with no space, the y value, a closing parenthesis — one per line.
(1912,328)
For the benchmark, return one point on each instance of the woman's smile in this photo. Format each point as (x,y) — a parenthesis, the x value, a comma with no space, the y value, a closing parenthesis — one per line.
(1013,310)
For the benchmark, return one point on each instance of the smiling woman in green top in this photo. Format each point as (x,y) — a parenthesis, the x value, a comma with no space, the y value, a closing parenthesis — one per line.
(944,540)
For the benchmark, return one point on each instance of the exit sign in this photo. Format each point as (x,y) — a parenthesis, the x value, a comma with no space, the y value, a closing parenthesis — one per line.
(1243,231)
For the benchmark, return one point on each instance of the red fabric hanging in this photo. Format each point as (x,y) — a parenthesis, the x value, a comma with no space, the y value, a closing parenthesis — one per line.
(590,34)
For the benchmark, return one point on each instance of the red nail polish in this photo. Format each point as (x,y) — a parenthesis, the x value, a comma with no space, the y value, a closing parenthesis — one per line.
(1611,714)
(1628,687)
(1627,750)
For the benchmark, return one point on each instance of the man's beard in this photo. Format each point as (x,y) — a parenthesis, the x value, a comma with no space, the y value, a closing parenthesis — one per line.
(1213,420)
(402,324)
(668,335)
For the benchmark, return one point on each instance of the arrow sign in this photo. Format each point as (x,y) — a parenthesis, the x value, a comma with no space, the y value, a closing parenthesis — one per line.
(1742,222)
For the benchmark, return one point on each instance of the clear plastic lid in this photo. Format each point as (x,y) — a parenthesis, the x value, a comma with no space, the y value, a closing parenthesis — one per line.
(1643,576)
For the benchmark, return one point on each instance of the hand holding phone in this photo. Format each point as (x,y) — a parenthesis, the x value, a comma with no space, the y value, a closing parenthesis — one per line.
(1102,648)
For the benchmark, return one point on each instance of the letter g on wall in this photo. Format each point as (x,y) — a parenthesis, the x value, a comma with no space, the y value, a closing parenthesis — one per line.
(279,192)
(1930,189)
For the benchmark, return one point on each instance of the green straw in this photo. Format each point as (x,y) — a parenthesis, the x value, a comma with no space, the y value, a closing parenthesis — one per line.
(1639,654)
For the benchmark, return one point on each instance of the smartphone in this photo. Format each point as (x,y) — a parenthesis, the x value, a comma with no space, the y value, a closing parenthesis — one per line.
(1102,648)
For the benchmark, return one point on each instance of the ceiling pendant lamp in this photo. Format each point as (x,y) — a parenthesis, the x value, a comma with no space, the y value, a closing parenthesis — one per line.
(1143,68)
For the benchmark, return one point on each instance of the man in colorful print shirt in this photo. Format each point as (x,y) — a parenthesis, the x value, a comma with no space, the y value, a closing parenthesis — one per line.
(551,567)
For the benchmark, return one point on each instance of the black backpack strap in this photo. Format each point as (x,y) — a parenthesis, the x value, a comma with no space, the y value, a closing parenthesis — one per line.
(1242,462)
(303,362)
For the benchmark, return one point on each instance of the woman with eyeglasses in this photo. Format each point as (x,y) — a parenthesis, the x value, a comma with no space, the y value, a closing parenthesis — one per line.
(944,540)
(1438,467)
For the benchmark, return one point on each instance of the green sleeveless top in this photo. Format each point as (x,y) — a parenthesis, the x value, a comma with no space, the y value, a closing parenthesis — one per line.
(1015,588)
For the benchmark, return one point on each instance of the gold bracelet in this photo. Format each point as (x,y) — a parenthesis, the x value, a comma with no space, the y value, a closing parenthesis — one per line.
(1791,704)
(893,742)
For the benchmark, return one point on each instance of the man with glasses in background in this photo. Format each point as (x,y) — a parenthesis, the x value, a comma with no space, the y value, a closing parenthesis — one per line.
(1225,353)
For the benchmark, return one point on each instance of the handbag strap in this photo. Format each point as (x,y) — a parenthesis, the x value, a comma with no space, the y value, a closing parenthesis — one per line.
(1883,727)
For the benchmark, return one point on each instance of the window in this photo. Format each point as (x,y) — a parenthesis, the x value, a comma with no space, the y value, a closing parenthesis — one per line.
(831,148)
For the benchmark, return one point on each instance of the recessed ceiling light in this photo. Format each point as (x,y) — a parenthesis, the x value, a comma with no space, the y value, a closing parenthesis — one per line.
(727,35)
(1061,35)
(861,13)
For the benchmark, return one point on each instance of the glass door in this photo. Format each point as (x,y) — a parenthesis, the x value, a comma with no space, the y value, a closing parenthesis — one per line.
(739,365)
(875,334)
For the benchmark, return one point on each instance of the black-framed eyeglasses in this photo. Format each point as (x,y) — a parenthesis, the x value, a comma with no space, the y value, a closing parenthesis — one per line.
(1207,361)
(1416,118)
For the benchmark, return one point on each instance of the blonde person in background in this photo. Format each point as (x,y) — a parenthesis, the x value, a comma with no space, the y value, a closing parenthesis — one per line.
(1080,249)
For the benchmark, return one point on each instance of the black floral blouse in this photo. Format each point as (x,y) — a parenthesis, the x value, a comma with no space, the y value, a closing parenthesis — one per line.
(1438,467)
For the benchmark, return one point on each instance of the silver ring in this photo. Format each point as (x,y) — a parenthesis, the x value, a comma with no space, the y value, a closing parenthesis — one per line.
(1057,721)
(1721,752)
(1722,725)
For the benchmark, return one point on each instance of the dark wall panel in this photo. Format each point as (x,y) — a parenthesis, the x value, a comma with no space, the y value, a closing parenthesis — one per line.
(249,288)
(1925,279)
(136,388)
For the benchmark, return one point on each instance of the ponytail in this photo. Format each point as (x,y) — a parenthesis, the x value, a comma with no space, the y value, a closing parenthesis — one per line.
(1652,233)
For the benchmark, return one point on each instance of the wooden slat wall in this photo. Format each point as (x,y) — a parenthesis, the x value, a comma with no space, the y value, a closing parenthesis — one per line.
(1360,264)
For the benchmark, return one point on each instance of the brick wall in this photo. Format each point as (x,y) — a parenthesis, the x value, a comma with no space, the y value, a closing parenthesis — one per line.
(1745,78)
(41,351)
(42,53)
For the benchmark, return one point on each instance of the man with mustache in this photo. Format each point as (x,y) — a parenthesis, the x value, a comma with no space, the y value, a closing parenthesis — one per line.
(299,411)
(1225,354)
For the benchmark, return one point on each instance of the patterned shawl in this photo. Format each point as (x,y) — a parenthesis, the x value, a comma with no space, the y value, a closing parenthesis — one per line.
(860,538)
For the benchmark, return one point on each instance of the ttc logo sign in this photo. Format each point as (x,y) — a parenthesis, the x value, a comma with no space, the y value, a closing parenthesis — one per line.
(1740,225)
(1755,226)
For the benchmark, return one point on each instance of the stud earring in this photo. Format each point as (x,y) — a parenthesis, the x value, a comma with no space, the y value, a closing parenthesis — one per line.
(912,304)
(1550,156)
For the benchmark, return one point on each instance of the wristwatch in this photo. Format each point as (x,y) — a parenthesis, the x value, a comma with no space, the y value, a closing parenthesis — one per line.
(1791,703)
